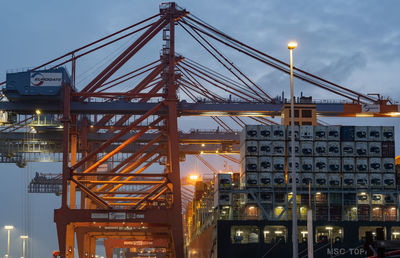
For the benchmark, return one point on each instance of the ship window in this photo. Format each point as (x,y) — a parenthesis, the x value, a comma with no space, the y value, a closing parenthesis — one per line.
(328,233)
(395,233)
(244,234)
(296,113)
(390,213)
(303,233)
(252,212)
(275,234)
(350,213)
(306,113)
(362,230)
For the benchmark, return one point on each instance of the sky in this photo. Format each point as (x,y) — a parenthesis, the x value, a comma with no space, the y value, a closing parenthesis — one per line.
(352,43)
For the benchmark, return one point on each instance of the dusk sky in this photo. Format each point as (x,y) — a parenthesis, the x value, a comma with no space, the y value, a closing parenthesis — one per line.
(352,43)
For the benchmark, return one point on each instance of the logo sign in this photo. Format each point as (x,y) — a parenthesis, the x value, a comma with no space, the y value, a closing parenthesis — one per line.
(117,215)
(138,243)
(371,108)
(346,251)
(135,216)
(44,79)
(99,216)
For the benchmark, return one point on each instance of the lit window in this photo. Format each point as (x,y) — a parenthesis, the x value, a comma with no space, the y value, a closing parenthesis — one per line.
(244,234)
(275,234)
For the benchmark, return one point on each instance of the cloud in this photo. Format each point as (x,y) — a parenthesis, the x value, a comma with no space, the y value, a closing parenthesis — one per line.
(341,69)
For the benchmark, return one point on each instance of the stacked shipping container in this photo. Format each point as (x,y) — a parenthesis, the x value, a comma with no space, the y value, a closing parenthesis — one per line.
(326,156)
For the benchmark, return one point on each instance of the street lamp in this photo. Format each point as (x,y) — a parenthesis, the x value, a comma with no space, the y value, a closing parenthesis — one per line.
(8,228)
(24,238)
(292,45)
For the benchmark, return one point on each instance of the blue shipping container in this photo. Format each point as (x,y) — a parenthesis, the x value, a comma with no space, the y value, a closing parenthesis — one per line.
(347,133)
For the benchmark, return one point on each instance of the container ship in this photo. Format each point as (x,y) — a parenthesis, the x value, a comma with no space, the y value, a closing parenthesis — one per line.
(348,172)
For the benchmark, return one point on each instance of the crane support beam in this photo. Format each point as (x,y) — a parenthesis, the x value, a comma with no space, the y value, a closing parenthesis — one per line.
(203,109)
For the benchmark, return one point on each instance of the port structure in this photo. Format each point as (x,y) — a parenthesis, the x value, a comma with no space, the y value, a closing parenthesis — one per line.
(138,128)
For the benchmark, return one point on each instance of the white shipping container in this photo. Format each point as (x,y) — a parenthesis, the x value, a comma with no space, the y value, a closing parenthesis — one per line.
(348,165)
(265,164)
(320,148)
(297,164)
(378,198)
(348,149)
(278,164)
(388,165)
(249,148)
(374,133)
(361,165)
(265,197)
(224,198)
(361,149)
(251,164)
(306,132)
(278,132)
(362,180)
(224,181)
(290,178)
(333,149)
(360,133)
(251,198)
(389,180)
(307,164)
(334,165)
(279,179)
(307,178)
(375,149)
(251,179)
(249,132)
(363,198)
(306,148)
(296,147)
(387,133)
(320,133)
(390,198)
(265,179)
(348,180)
(265,148)
(296,132)
(278,148)
(321,180)
(333,133)
(265,132)
(375,165)
(375,180)
(334,180)
(320,164)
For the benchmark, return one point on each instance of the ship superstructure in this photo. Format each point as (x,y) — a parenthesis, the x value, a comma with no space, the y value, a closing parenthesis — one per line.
(348,171)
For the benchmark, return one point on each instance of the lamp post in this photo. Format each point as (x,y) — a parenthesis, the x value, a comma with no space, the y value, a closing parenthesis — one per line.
(330,237)
(292,45)
(24,238)
(8,228)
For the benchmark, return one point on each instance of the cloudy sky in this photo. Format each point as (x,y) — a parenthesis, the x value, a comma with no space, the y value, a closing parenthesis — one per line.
(353,43)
